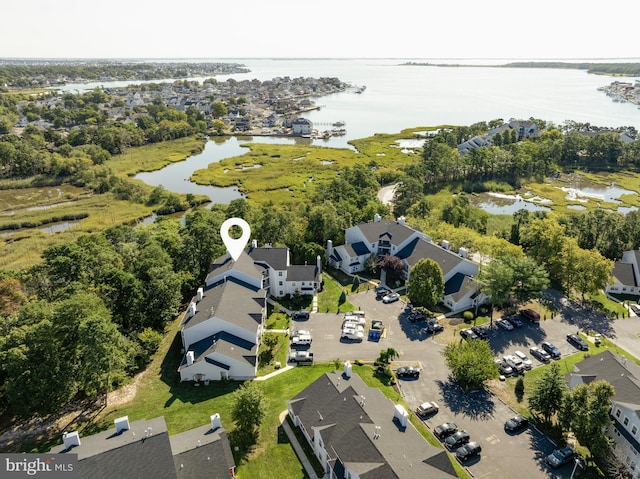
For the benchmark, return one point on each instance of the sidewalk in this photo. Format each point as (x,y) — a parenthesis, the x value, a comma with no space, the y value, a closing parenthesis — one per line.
(296,446)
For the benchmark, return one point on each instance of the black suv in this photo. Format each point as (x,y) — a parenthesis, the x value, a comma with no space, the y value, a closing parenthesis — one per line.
(457,439)
(578,342)
(551,349)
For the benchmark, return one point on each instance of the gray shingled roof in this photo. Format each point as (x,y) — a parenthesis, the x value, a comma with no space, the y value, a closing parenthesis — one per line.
(232,300)
(132,454)
(397,232)
(303,273)
(458,286)
(127,455)
(624,376)
(226,344)
(624,273)
(225,264)
(347,422)
(274,257)
(202,452)
(419,248)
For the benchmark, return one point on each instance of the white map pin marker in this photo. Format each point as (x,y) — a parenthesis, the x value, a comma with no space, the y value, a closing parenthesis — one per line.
(235,246)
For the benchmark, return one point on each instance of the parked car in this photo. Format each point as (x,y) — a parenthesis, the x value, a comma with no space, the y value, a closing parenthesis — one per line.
(445,430)
(578,342)
(504,368)
(468,334)
(457,439)
(382,292)
(516,423)
(349,325)
(525,360)
(427,408)
(530,314)
(469,450)
(354,320)
(352,334)
(515,363)
(540,354)
(504,324)
(514,320)
(303,315)
(407,372)
(560,457)
(434,327)
(635,308)
(301,357)
(391,298)
(552,350)
(301,339)
(481,332)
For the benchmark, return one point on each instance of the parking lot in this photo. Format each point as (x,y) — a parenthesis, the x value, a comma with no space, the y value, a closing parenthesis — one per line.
(481,414)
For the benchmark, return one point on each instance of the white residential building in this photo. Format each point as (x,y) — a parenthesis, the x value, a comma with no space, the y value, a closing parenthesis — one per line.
(387,237)
(626,274)
(624,376)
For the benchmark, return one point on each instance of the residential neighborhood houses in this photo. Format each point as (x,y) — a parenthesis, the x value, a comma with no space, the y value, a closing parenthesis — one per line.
(252,106)
(387,237)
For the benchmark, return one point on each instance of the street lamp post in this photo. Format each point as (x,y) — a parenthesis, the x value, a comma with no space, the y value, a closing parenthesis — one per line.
(575,466)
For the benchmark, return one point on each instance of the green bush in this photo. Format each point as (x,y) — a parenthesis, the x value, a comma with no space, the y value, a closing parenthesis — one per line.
(467,315)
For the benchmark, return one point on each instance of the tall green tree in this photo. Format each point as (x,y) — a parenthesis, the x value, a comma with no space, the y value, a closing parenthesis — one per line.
(548,392)
(249,407)
(586,412)
(426,283)
(471,362)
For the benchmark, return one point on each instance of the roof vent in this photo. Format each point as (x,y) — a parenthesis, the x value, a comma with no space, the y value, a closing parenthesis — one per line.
(445,244)
(200,294)
(71,439)
(122,424)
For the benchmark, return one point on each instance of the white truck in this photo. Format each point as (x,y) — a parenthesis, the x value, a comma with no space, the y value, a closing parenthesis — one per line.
(301,357)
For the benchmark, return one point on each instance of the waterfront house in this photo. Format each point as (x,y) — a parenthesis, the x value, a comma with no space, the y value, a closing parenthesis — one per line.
(302,126)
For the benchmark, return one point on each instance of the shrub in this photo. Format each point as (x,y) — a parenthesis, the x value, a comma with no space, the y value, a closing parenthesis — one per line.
(359,362)
(467,315)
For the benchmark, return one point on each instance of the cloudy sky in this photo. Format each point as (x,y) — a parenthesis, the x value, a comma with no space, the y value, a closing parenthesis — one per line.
(319,29)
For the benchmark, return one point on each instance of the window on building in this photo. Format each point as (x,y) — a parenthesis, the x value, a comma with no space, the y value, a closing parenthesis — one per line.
(293,283)
(279,273)
(618,413)
(634,429)
(626,421)
(280,284)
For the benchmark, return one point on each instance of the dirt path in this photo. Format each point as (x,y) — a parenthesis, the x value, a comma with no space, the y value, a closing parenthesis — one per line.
(385,194)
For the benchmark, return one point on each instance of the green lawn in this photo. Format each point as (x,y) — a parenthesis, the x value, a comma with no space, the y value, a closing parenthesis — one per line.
(267,360)
(328,299)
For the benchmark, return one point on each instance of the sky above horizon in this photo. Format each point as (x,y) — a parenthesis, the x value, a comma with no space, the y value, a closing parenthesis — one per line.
(546,29)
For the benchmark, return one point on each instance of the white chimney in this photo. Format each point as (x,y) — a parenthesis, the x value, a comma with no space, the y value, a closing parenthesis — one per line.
(401,220)
(319,264)
(400,413)
(347,369)
(215,421)
(377,218)
(71,439)
(190,358)
(200,294)
(462,252)
(192,309)
(445,244)
(329,248)
(122,424)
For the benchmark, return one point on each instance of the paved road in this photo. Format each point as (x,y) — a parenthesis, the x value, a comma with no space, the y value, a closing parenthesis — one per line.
(483,415)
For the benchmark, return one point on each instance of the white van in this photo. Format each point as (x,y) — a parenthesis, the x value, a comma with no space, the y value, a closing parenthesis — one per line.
(355,313)
(354,319)
(301,340)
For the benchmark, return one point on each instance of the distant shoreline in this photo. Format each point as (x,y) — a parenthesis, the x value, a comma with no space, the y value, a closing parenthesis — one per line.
(614,69)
